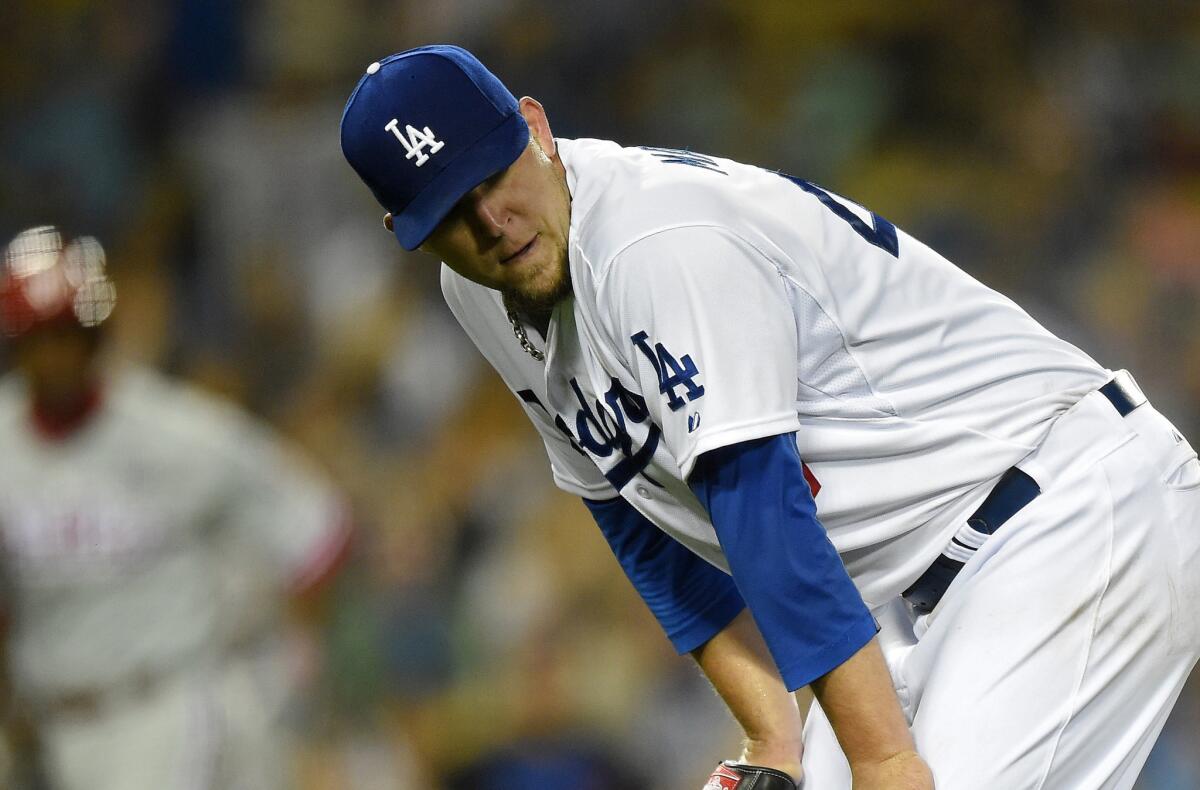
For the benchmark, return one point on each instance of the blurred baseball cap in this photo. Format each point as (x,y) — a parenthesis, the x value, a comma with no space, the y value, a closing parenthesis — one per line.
(45,281)
(426,126)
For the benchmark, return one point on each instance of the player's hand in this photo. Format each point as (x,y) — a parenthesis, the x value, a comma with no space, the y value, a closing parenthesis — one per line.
(903,771)
(777,752)
(731,776)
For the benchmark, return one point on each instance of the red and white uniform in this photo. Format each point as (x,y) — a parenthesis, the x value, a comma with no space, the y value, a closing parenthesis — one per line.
(119,538)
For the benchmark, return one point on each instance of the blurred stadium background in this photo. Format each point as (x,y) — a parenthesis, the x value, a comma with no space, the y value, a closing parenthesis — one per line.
(481,634)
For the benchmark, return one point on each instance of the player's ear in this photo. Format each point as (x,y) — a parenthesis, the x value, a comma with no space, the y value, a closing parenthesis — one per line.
(539,126)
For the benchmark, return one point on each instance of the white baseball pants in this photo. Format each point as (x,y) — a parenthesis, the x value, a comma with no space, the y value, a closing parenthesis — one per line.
(1057,653)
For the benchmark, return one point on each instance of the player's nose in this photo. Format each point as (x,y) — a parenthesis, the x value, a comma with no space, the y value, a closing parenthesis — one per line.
(489,214)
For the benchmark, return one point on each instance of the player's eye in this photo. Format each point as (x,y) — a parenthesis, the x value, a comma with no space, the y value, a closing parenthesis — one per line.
(459,209)
(490,183)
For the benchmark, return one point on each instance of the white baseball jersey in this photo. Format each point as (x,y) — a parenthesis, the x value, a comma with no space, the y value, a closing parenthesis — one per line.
(716,302)
(110,533)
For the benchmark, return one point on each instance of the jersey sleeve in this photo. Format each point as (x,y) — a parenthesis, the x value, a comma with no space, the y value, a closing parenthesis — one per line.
(691,599)
(803,601)
(701,319)
(279,509)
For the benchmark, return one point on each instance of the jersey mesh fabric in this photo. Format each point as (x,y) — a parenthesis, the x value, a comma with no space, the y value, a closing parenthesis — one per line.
(829,379)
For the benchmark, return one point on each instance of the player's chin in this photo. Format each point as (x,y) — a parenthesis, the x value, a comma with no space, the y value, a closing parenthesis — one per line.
(542,293)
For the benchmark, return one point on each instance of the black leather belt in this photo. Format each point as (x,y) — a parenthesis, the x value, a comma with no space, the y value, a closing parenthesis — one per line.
(1014,491)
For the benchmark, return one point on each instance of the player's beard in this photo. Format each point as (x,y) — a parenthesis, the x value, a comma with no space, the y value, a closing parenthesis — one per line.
(544,289)
(538,305)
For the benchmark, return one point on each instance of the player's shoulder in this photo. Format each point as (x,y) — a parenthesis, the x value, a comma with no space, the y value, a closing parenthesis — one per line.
(174,408)
(13,400)
(621,196)
(12,390)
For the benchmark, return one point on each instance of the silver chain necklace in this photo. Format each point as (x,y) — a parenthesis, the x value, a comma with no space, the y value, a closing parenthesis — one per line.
(522,336)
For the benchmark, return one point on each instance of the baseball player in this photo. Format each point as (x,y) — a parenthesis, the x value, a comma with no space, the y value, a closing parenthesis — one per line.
(126,503)
(823,454)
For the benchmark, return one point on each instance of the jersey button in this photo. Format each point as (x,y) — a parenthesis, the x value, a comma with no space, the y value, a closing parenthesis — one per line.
(643,492)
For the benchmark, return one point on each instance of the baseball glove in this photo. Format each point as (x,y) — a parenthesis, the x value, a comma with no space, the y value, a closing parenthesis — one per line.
(739,776)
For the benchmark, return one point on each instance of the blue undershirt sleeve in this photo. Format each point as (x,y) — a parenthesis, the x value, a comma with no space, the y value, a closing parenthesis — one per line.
(691,599)
(792,579)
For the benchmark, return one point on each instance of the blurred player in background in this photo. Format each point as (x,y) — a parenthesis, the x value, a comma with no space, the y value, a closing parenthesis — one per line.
(823,454)
(151,537)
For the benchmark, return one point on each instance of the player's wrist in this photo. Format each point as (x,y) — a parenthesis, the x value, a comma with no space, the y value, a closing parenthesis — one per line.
(782,753)
(904,770)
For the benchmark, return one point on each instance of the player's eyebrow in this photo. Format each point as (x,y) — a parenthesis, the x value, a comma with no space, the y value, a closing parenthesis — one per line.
(493,179)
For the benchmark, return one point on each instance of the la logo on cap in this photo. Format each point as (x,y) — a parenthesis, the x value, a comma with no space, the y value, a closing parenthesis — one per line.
(388,133)
(416,141)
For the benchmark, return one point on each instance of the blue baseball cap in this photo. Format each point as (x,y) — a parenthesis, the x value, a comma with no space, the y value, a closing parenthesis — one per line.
(426,126)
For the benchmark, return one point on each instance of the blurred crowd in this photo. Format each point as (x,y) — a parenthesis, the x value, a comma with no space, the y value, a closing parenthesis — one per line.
(480,635)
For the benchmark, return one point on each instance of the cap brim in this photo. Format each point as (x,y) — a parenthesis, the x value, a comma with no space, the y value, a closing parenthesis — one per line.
(492,153)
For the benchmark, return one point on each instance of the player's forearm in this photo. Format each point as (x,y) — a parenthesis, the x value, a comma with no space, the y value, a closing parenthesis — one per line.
(740,668)
(861,704)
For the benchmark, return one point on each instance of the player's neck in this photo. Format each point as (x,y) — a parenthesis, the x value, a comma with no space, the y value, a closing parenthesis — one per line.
(539,314)
(60,416)
(541,320)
